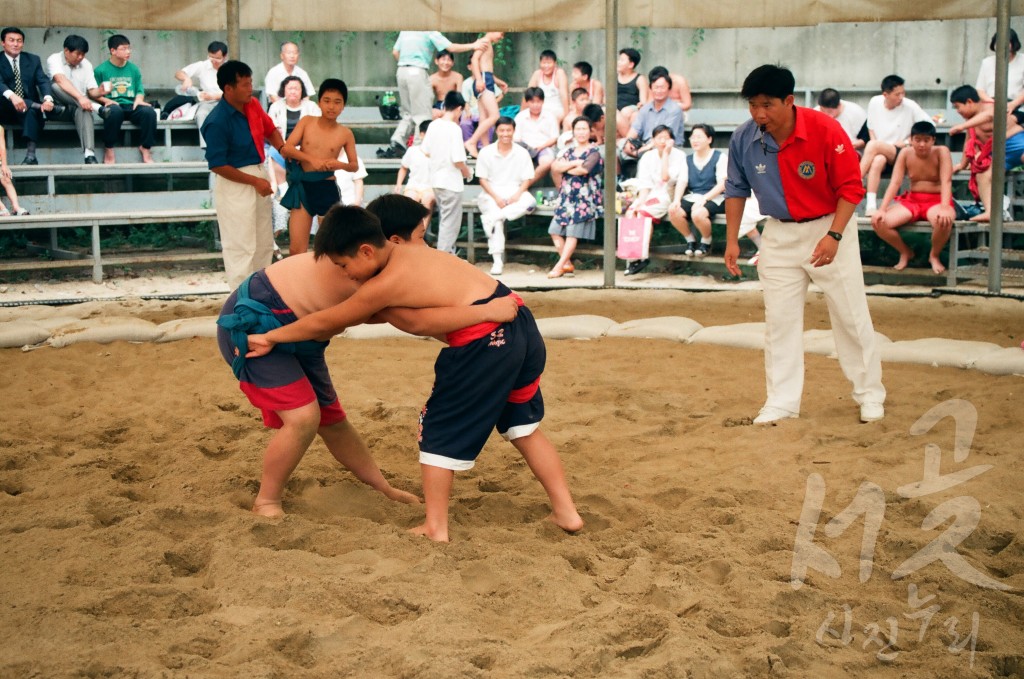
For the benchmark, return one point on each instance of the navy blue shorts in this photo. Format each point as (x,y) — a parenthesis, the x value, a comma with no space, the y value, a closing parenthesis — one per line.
(491,381)
(321,196)
(280,380)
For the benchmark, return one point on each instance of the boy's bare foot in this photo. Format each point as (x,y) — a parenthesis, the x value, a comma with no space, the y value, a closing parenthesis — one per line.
(983,217)
(472,150)
(570,523)
(401,496)
(937,266)
(269,508)
(433,534)
(108,157)
(147,156)
(902,264)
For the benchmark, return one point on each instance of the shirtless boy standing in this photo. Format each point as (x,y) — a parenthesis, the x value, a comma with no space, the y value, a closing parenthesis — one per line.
(444,80)
(489,376)
(292,386)
(312,188)
(930,169)
(482,67)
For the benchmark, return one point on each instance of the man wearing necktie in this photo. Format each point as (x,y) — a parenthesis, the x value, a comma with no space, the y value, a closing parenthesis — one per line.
(25,88)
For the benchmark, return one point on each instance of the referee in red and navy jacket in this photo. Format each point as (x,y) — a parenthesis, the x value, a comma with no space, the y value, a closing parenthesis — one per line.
(803,169)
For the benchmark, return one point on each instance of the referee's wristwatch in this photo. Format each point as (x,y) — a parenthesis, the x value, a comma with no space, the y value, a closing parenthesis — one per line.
(835,234)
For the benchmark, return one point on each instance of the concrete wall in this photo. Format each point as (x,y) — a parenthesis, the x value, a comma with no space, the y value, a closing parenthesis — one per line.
(929,54)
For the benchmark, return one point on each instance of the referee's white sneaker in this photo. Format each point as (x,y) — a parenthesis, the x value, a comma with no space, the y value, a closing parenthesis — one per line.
(871,412)
(771,414)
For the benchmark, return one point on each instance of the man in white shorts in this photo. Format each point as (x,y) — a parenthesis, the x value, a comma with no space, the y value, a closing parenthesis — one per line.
(890,117)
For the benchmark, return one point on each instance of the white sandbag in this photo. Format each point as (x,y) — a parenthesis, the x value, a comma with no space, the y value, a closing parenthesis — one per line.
(187,328)
(1008,361)
(53,322)
(574,327)
(823,343)
(739,335)
(20,333)
(104,331)
(677,328)
(938,352)
(372,331)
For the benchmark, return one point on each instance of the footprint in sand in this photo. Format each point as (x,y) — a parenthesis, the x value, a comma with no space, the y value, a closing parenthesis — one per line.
(716,572)
(298,648)
(188,560)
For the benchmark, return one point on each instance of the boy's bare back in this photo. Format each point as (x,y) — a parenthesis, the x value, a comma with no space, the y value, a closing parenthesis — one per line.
(425,277)
(308,285)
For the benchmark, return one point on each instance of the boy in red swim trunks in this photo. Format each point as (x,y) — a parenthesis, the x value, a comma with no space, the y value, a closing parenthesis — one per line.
(489,376)
(930,198)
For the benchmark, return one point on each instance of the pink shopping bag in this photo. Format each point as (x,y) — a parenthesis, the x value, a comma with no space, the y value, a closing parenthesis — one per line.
(634,238)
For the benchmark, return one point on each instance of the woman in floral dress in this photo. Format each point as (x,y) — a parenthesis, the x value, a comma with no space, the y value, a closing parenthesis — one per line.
(580,198)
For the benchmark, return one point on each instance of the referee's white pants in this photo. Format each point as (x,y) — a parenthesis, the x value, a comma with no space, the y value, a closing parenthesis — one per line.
(246,226)
(493,218)
(785,270)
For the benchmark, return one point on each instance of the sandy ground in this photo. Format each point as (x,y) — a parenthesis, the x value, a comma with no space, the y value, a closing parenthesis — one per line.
(127,548)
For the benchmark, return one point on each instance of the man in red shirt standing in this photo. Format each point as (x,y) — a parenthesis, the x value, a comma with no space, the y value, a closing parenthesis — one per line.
(806,176)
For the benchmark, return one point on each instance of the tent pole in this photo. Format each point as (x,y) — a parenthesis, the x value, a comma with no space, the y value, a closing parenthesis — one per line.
(995,225)
(611,39)
(234,42)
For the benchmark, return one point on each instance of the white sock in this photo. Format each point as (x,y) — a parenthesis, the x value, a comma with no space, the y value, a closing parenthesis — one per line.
(872,201)
(691,239)
(497,257)
(705,240)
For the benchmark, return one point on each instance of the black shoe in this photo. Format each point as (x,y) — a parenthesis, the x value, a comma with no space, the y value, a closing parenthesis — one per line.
(637,266)
(702,249)
(393,151)
(90,160)
(30,160)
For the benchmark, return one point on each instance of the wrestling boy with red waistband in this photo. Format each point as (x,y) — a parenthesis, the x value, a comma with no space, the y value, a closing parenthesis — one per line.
(489,376)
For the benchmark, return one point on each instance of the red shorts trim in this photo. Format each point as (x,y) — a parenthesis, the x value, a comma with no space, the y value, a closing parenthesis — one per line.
(524,393)
(919,203)
(289,397)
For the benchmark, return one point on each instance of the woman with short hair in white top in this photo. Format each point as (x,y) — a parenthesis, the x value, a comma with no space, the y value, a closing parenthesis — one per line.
(658,173)
(986,84)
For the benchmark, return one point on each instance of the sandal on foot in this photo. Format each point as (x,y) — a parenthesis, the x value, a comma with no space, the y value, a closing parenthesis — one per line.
(556,273)
(20,212)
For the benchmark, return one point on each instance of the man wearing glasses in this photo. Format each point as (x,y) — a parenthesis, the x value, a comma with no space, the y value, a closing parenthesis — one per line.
(802,168)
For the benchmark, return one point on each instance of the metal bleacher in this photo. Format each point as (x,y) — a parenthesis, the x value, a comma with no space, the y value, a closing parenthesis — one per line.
(62,193)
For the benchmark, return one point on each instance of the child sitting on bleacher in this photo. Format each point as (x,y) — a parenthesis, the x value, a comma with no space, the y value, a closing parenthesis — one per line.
(930,198)
(7,182)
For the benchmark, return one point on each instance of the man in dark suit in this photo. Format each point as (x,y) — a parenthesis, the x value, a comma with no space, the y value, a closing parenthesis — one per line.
(25,88)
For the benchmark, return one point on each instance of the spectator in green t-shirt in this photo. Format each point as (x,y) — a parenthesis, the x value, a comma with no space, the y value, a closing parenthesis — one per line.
(123,96)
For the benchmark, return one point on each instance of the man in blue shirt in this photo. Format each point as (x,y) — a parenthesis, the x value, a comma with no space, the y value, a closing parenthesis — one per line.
(235,132)
(660,110)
